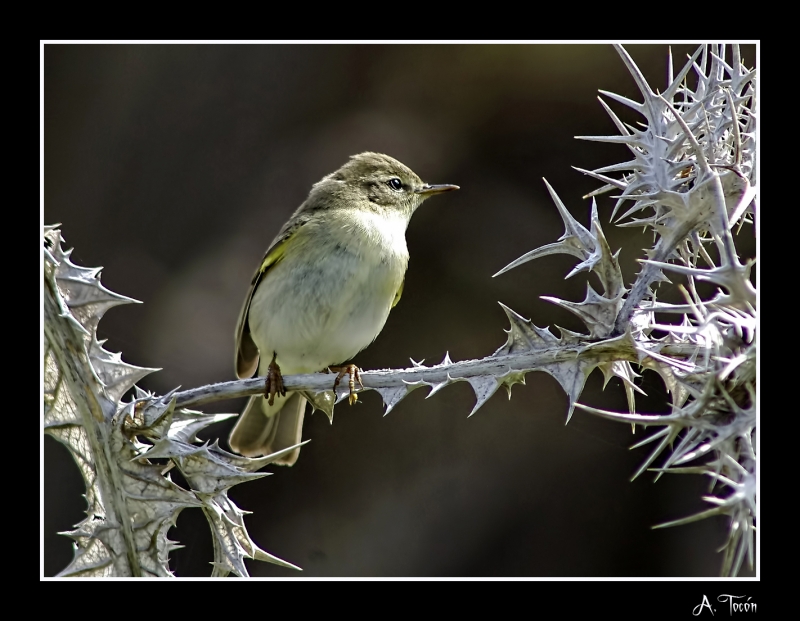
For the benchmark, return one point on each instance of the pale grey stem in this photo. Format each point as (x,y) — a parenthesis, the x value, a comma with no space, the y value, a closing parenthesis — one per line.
(76,369)
(396,378)
(649,274)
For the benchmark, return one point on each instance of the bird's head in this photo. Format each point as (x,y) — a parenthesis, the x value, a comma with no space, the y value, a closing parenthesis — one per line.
(380,181)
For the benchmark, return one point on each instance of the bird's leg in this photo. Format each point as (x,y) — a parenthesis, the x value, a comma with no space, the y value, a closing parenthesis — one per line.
(273,381)
(355,375)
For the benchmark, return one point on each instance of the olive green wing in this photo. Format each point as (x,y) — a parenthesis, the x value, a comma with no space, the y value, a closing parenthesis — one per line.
(399,292)
(246,349)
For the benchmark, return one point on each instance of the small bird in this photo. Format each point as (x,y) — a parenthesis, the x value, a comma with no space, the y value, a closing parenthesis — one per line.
(323,291)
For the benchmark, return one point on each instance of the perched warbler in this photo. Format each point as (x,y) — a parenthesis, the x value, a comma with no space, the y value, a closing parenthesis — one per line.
(323,291)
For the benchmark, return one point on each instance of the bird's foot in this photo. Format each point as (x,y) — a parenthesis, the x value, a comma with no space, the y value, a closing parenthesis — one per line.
(273,382)
(355,375)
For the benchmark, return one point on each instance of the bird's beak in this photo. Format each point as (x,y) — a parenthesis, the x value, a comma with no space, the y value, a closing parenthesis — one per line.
(428,190)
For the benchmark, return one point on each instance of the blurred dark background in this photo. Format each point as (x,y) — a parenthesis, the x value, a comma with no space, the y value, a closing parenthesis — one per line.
(172,166)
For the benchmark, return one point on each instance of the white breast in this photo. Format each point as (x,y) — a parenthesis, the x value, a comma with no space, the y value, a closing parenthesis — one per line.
(330,295)
(386,231)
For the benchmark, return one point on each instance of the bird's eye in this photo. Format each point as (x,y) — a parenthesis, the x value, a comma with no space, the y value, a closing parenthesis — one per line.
(395,183)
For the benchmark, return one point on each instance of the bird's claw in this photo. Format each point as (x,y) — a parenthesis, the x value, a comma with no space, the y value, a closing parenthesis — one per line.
(355,375)
(273,382)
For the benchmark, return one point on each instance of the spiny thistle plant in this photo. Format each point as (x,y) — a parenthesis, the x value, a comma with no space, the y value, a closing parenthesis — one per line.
(691,182)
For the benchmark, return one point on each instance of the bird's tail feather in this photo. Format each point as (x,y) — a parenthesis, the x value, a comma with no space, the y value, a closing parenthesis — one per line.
(263,429)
